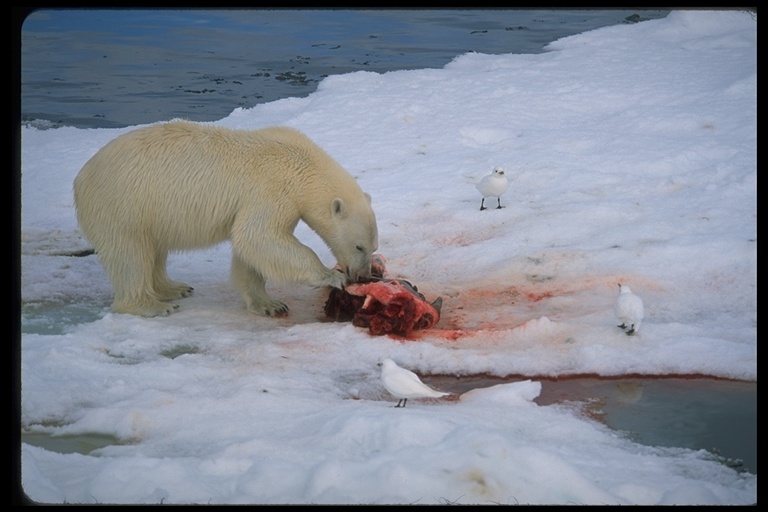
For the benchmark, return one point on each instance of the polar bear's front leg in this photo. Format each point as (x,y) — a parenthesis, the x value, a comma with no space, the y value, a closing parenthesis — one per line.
(260,255)
(251,285)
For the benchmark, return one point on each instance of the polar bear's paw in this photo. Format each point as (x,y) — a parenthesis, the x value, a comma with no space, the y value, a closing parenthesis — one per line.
(268,307)
(175,291)
(147,308)
(334,278)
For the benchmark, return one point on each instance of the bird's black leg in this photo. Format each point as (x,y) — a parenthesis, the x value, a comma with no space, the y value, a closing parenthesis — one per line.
(482,204)
(631,330)
(402,401)
(499,207)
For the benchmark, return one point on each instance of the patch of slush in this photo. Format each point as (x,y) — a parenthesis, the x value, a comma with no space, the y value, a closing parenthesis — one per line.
(57,317)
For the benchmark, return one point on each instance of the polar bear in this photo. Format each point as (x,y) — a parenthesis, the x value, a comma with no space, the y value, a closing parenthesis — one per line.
(181,185)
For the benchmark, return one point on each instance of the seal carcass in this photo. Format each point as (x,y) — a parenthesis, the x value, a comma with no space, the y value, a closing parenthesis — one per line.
(382,304)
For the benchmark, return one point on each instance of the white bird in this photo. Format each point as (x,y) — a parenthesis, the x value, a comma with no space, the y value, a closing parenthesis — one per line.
(629,310)
(493,185)
(404,384)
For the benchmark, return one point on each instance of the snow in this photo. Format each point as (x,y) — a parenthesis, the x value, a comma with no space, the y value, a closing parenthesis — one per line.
(631,156)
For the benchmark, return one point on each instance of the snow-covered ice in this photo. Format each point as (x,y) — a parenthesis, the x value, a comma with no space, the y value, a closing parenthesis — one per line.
(633,154)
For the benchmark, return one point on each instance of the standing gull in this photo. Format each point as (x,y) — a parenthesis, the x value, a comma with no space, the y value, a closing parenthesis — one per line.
(493,185)
(629,310)
(404,384)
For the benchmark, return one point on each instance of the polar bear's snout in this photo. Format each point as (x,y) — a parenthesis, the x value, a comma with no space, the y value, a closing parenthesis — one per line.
(356,274)
(356,269)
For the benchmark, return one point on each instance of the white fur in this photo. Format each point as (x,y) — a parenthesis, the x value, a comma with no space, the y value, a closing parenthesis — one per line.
(182,185)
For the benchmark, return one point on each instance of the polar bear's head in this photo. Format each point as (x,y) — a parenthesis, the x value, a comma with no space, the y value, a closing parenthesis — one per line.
(355,236)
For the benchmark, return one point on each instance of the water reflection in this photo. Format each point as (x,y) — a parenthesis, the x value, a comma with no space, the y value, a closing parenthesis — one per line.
(716,415)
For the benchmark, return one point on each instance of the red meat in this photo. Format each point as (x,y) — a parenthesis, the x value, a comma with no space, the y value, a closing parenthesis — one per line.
(383,305)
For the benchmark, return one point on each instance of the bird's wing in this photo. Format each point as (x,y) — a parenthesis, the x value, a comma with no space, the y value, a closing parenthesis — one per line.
(405,382)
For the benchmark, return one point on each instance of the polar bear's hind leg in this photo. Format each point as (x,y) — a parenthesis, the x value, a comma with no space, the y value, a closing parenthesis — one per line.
(165,288)
(130,269)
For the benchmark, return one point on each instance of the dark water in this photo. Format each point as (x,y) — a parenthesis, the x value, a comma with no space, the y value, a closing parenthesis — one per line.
(716,415)
(115,68)
(699,413)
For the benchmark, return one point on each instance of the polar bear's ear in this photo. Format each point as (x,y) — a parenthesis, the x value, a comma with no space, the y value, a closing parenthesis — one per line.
(368,197)
(337,207)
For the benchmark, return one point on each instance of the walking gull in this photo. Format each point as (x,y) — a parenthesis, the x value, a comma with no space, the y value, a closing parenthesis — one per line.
(404,384)
(629,310)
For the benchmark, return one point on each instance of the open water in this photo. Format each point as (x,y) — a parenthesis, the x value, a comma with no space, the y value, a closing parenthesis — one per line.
(116,68)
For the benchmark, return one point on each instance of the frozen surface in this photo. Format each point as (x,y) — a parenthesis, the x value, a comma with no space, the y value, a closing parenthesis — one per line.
(631,156)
